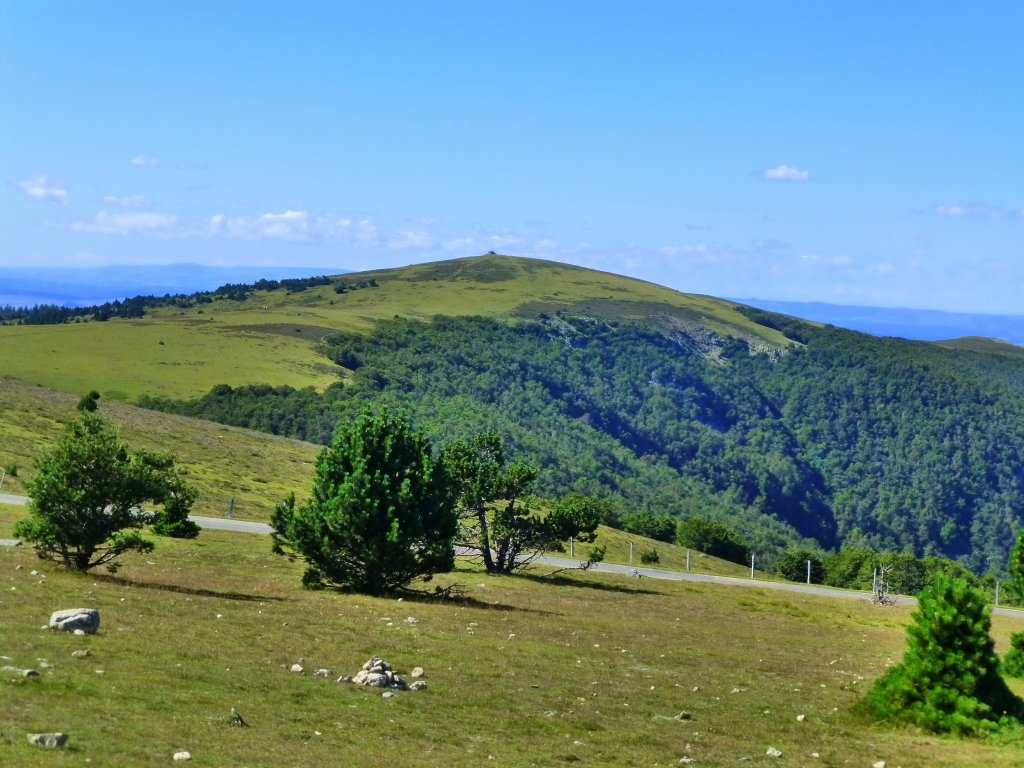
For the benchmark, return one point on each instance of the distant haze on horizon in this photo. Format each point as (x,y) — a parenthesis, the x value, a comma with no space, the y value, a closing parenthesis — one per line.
(842,152)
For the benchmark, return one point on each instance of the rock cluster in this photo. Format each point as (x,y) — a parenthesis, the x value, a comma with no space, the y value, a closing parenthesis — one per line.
(378,673)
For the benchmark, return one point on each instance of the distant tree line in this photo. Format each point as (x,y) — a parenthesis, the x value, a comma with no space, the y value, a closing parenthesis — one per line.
(54,314)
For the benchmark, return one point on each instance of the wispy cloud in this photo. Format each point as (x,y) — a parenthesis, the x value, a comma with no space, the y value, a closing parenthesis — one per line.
(128,201)
(142,161)
(131,223)
(785,173)
(40,187)
(977,211)
(294,226)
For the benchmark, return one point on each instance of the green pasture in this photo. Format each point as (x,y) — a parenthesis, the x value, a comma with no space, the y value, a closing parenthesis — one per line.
(522,671)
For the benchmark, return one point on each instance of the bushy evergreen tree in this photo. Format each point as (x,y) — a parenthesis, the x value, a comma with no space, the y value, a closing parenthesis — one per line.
(85,498)
(793,565)
(381,514)
(1013,661)
(948,680)
(711,538)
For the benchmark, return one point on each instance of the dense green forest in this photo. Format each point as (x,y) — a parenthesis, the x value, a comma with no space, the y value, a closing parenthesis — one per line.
(844,439)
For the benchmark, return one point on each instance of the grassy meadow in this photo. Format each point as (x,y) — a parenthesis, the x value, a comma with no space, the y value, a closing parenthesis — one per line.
(522,671)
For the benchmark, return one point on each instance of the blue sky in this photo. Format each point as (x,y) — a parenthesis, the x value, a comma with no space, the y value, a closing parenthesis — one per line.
(847,152)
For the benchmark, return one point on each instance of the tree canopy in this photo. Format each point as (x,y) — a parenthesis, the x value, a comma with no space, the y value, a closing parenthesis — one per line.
(948,680)
(381,513)
(86,496)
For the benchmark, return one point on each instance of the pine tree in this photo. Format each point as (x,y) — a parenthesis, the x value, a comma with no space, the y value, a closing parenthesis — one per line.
(1013,661)
(382,511)
(948,680)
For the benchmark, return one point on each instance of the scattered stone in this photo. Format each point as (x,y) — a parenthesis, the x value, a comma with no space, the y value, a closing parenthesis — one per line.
(44,664)
(412,620)
(183,755)
(878,764)
(686,760)
(578,743)
(773,752)
(388,694)
(419,685)
(80,632)
(237,719)
(10,543)
(322,673)
(297,669)
(73,619)
(416,672)
(28,674)
(684,716)
(344,679)
(48,739)
(801,718)
(80,654)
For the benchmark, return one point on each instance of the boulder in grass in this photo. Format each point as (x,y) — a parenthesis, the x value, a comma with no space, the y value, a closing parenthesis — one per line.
(48,739)
(71,619)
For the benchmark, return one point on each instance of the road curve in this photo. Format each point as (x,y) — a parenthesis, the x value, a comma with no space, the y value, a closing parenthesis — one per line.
(248,526)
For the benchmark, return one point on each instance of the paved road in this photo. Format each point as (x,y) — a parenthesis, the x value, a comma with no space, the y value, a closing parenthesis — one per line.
(248,526)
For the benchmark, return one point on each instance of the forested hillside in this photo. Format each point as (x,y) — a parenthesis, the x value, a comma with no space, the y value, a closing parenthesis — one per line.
(840,437)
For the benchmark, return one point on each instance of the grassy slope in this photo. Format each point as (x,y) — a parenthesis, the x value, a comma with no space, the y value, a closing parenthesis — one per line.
(271,337)
(593,669)
(257,469)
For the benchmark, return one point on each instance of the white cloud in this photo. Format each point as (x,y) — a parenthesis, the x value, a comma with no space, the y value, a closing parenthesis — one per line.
(40,187)
(128,201)
(128,224)
(141,161)
(403,241)
(785,173)
(977,211)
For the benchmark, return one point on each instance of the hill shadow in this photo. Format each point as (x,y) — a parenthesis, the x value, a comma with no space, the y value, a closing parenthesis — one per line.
(183,590)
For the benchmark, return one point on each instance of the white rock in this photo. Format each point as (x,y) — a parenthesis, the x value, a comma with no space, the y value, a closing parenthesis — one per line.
(387,694)
(878,764)
(801,718)
(322,673)
(297,669)
(419,685)
(48,739)
(773,752)
(74,619)
(183,755)
(416,672)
